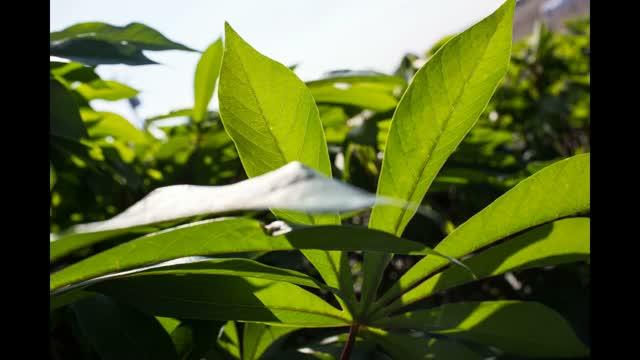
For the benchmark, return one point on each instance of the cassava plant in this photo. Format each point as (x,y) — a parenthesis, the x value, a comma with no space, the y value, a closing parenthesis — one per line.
(171,285)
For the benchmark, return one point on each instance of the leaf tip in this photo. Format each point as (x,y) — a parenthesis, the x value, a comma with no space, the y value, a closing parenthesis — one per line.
(228,30)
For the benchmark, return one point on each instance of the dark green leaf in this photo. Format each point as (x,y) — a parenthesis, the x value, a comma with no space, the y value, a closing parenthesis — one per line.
(117,331)
(419,347)
(522,328)
(216,297)
(137,34)
(95,43)
(64,118)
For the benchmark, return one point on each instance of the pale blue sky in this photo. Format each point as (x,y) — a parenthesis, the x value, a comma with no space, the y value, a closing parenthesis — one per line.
(318,35)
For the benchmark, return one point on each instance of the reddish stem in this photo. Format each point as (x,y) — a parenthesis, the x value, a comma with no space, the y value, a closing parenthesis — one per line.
(346,352)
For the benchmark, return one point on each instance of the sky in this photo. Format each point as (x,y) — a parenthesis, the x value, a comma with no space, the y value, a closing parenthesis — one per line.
(318,36)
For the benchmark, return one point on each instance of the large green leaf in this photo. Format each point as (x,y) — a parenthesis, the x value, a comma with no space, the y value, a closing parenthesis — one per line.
(203,265)
(441,105)
(273,120)
(370,91)
(64,117)
(216,297)
(95,43)
(258,337)
(117,331)
(559,190)
(270,114)
(522,328)
(206,76)
(562,241)
(412,347)
(228,236)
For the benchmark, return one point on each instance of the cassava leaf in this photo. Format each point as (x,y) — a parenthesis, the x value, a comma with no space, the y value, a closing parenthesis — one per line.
(521,328)
(228,236)
(559,190)
(272,118)
(258,337)
(218,297)
(206,76)
(558,242)
(441,105)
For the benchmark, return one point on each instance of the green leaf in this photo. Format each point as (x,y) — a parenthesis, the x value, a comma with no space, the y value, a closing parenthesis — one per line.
(95,43)
(375,91)
(61,246)
(96,52)
(117,331)
(177,146)
(105,90)
(273,120)
(216,297)
(438,109)
(558,242)
(270,115)
(228,236)
(521,328)
(171,114)
(73,71)
(229,340)
(258,337)
(101,124)
(206,76)
(168,324)
(136,34)
(441,105)
(559,190)
(208,266)
(410,347)
(64,118)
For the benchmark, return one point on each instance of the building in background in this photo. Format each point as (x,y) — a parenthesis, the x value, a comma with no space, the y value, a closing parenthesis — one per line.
(553,12)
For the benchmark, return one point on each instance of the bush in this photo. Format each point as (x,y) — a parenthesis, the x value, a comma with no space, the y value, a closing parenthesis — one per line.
(207,270)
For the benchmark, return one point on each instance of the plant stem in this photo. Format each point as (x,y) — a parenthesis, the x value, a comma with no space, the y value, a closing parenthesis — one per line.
(346,352)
